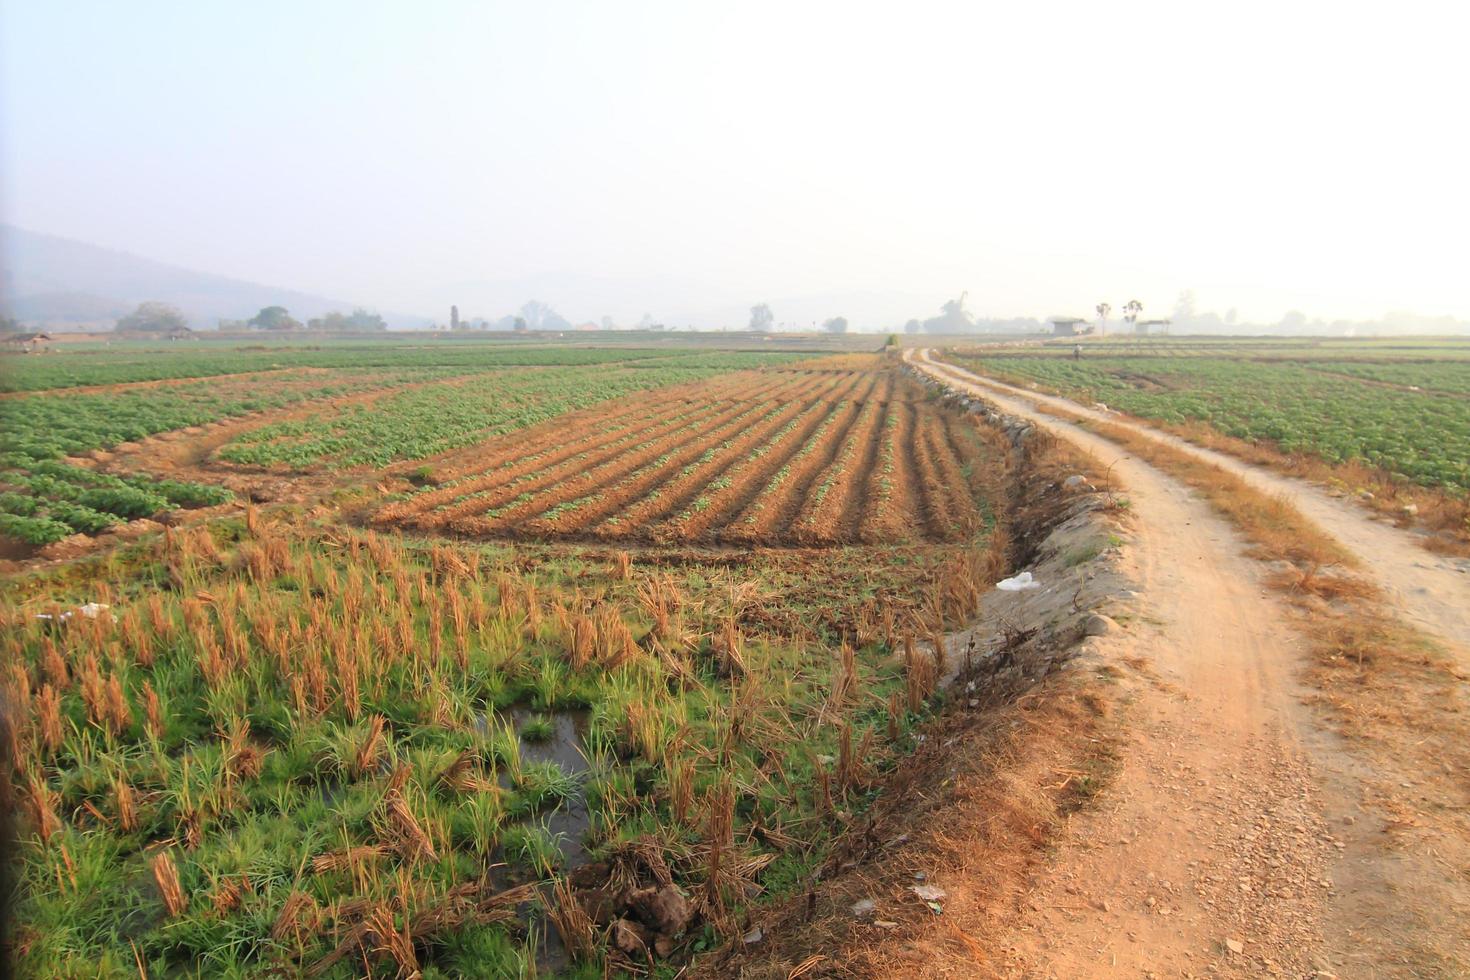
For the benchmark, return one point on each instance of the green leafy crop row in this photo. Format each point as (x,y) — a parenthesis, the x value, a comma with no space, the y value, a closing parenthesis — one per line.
(1422,436)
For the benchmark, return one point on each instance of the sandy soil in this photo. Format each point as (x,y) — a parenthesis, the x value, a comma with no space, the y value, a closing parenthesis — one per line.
(1237,839)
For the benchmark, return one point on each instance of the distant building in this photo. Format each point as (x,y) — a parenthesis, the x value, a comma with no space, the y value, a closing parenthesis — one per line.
(1146,327)
(28,343)
(180,333)
(1069,326)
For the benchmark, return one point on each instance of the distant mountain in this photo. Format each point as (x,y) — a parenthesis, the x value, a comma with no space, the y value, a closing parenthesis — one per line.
(57,282)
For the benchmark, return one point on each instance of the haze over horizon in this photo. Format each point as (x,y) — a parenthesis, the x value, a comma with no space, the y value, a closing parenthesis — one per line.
(686,159)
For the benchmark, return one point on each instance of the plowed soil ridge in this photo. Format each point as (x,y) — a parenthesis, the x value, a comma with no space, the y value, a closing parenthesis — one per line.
(790,458)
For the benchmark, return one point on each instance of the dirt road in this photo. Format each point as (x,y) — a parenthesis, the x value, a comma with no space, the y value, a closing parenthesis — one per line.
(1234,841)
(1431,591)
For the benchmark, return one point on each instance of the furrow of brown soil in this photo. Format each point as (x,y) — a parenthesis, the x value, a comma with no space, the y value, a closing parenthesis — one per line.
(861,480)
(820,518)
(621,452)
(531,444)
(683,442)
(586,441)
(951,482)
(939,517)
(463,463)
(866,385)
(887,388)
(656,482)
(969,454)
(661,516)
(768,516)
(806,386)
(546,467)
(746,478)
(895,510)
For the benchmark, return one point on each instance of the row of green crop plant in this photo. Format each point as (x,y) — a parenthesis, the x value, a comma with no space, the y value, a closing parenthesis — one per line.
(117,366)
(1421,436)
(434,418)
(287,734)
(44,501)
(1431,376)
(51,426)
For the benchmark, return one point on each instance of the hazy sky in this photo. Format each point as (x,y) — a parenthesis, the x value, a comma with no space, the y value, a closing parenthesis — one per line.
(1042,156)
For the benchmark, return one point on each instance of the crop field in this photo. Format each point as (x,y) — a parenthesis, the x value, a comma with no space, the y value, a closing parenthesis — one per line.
(43,498)
(511,660)
(790,457)
(140,363)
(347,416)
(1409,418)
(432,418)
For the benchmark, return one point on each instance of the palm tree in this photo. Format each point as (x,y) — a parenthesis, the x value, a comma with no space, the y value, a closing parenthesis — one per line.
(1103,309)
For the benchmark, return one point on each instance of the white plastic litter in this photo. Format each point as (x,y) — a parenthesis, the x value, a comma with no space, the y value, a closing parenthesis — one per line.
(91,610)
(1017,583)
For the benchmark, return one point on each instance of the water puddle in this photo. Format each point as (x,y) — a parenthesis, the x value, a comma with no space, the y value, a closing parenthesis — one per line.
(567,820)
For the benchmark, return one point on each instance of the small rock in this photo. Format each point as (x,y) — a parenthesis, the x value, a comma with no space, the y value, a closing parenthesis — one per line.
(1096,624)
(753,936)
(1075,480)
(930,893)
(864,907)
(1235,946)
(1409,510)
